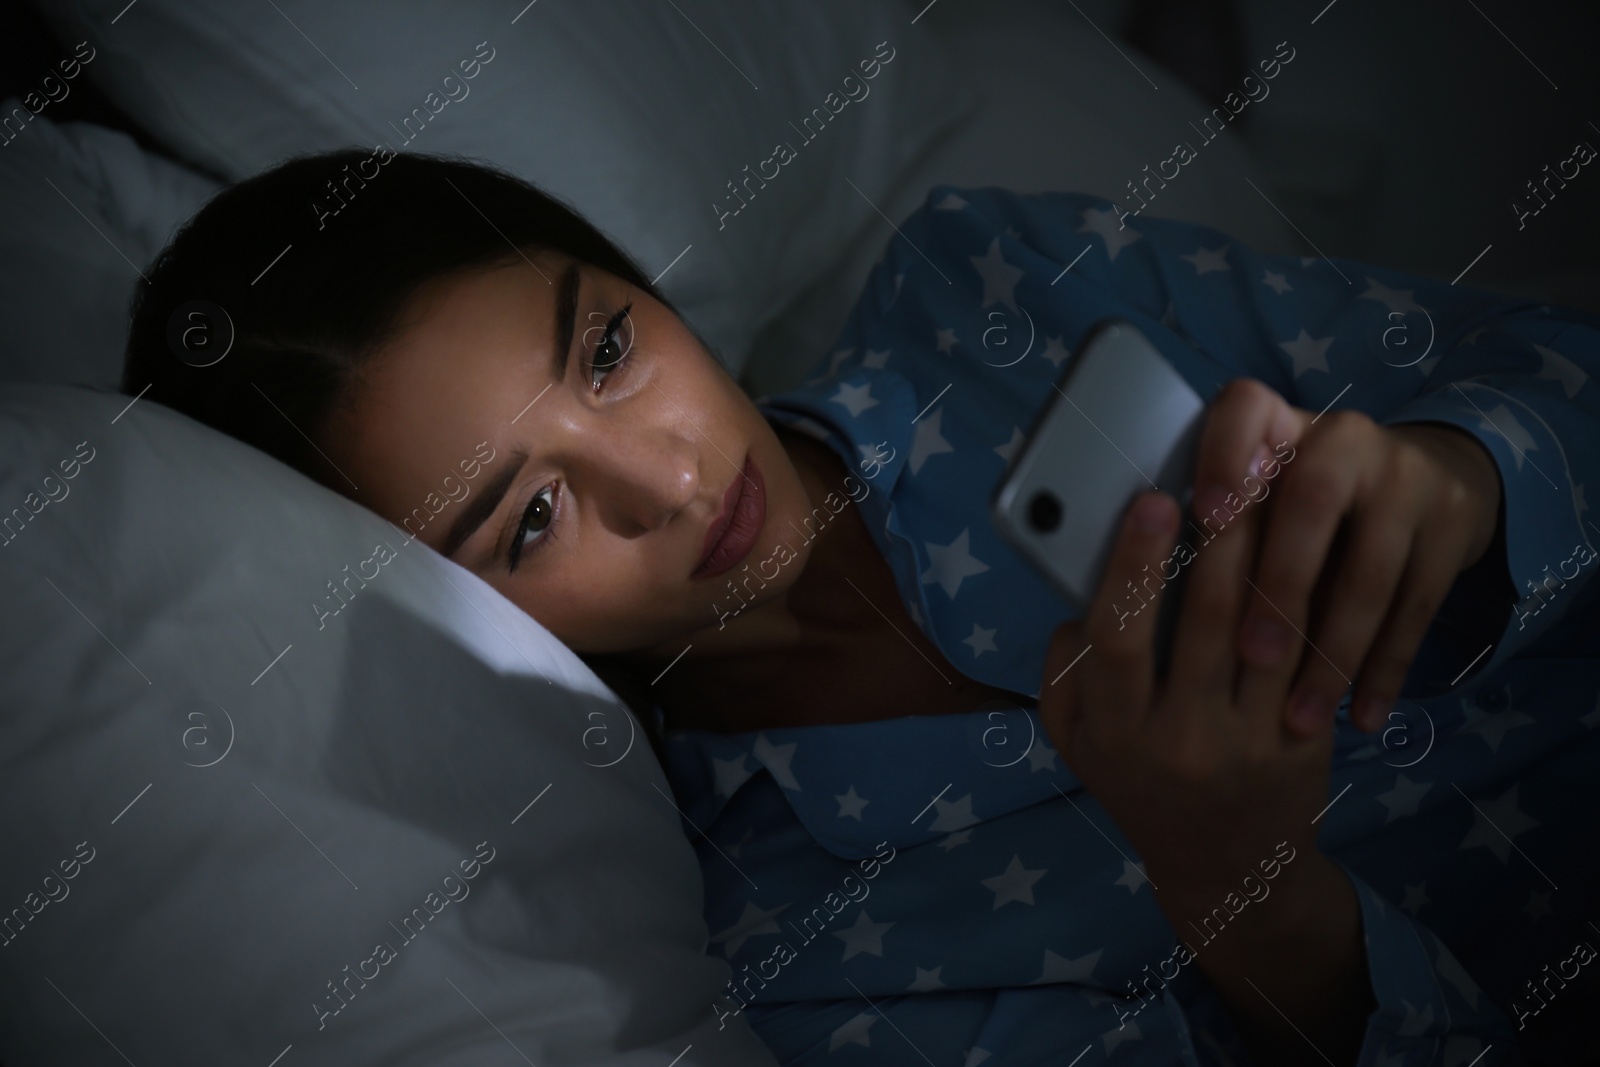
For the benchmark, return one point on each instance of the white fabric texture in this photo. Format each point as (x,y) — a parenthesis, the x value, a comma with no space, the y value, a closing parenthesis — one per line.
(1059,109)
(249,803)
(85,210)
(638,113)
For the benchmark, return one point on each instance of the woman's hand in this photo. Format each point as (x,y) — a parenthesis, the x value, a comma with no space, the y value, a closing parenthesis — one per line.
(1206,771)
(1366,530)
(1215,795)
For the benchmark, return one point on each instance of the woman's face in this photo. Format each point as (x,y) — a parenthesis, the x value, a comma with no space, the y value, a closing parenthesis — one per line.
(575,467)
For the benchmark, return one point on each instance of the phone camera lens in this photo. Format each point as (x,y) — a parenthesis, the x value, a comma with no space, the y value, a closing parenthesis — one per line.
(1044,511)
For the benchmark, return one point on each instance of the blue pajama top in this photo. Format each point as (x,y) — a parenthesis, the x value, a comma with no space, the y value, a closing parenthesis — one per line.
(942,890)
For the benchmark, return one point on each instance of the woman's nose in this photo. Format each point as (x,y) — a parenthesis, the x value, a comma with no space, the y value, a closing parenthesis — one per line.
(639,480)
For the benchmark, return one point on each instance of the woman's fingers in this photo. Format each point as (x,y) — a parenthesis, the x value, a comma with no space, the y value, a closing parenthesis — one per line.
(1423,587)
(1244,419)
(1359,596)
(1309,504)
(1457,491)
(1121,624)
(1219,542)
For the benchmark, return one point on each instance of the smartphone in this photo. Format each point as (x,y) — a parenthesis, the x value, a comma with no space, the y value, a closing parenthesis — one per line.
(1120,421)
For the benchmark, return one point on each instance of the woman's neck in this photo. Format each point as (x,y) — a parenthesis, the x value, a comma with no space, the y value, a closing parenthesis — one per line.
(837,647)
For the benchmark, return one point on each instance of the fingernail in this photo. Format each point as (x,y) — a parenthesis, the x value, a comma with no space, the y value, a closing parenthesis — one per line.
(1267,639)
(1258,460)
(1151,515)
(1311,711)
(1372,713)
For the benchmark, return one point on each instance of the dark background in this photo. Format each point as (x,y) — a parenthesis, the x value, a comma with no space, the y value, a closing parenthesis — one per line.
(1403,136)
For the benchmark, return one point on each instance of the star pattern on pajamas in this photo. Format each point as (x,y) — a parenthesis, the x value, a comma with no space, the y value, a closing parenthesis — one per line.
(961,879)
(1055,351)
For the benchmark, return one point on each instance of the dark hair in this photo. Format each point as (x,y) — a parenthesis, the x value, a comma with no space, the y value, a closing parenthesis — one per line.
(311,264)
(300,273)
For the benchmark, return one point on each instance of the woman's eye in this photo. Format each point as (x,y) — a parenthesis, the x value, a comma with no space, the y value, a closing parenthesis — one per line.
(612,347)
(535,522)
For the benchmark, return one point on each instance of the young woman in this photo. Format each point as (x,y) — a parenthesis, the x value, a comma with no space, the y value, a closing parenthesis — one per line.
(807,593)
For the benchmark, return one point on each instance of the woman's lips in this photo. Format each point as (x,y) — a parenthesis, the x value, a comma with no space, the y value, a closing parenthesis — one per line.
(733,533)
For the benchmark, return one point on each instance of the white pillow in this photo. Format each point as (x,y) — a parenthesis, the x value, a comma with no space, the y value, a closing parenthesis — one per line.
(86,209)
(1059,109)
(638,112)
(213,806)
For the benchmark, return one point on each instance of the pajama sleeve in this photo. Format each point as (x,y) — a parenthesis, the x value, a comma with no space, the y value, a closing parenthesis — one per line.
(1429,1010)
(1330,334)
(1335,333)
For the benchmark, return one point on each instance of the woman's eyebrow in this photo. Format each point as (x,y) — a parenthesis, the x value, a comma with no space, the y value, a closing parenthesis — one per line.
(566,317)
(486,503)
